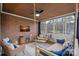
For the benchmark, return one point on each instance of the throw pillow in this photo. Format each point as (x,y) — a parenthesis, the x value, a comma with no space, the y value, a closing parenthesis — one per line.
(60,41)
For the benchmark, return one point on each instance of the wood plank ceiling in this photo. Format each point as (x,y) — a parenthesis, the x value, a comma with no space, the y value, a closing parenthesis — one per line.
(50,9)
(20,9)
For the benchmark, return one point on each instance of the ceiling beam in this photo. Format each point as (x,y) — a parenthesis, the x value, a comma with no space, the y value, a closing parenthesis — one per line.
(15,14)
(19,16)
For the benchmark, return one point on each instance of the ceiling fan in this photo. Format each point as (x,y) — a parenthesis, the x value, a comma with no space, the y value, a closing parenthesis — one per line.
(38,12)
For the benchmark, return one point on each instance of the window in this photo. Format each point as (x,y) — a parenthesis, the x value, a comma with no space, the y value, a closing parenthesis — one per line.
(59,25)
(43,27)
(50,26)
(64,25)
(69,24)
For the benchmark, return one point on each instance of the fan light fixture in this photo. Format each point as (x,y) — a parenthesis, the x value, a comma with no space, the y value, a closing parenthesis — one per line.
(37,14)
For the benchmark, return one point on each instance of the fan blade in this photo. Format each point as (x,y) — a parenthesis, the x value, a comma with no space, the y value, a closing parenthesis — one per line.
(41,11)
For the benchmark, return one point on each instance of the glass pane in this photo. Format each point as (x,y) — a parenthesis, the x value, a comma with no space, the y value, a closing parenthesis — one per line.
(50,26)
(69,24)
(42,27)
(59,25)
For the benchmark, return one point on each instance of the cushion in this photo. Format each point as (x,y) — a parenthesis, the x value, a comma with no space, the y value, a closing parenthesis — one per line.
(41,35)
(11,46)
(55,47)
(6,39)
(9,41)
(60,52)
(5,43)
(68,44)
(66,52)
(60,41)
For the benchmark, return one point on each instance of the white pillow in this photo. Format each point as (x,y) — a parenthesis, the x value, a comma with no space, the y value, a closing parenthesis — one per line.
(5,41)
(66,43)
(41,35)
(11,46)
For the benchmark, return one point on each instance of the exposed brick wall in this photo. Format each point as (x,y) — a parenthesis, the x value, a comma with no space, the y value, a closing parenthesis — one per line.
(11,27)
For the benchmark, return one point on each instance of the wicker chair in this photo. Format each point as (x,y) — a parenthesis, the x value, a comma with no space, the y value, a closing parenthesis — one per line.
(11,52)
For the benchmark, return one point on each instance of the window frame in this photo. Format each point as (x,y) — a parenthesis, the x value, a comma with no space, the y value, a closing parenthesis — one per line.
(54,23)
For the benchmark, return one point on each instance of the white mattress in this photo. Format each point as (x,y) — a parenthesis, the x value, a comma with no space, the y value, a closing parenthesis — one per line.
(55,47)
